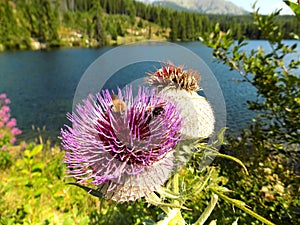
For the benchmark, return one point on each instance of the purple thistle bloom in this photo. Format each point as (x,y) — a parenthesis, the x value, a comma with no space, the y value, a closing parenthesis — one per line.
(123,145)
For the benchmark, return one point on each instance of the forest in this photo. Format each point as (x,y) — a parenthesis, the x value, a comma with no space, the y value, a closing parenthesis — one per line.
(39,24)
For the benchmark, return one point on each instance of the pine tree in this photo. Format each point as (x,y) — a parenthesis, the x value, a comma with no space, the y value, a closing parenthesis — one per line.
(190,27)
(174,27)
(96,12)
(182,27)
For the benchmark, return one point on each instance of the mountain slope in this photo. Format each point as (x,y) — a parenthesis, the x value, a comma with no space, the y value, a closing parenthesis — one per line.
(203,6)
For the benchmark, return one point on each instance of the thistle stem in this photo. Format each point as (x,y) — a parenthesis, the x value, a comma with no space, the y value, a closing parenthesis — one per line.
(204,216)
(242,207)
(176,187)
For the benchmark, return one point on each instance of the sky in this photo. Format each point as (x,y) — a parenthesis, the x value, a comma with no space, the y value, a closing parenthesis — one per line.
(266,6)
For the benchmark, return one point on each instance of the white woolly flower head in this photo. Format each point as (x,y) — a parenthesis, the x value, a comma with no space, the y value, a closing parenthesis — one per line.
(196,113)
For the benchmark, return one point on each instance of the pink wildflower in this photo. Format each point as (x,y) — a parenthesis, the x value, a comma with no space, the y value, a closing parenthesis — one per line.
(13,140)
(6,109)
(23,144)
(5,119)
(16,131)
(3,95)
(12,123)
(7,101)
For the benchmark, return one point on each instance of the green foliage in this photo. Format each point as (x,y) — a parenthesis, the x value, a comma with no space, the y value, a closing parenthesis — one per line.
(295,7)
(47,24)
(35,190)
(270,147)
(276,80)
(5,139)
(5,159)
(185,197)
(8,132)
(243,26)
(270,188)
(11,28)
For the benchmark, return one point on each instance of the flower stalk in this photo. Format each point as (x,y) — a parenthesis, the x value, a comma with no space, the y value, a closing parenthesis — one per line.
(241,205)
(204,216)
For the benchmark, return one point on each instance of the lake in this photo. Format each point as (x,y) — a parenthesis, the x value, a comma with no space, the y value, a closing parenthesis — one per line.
(42,84)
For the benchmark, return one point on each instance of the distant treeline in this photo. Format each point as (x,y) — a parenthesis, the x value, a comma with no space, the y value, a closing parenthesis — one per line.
(53,22)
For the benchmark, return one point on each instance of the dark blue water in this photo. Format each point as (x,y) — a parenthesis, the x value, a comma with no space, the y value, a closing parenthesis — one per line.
(42,84)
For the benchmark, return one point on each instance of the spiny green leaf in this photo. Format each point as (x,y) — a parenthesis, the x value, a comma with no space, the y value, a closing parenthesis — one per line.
(220,137)
(167,193)
(162,205)
(173,218)
(233,159)
(241,205)
(199,187)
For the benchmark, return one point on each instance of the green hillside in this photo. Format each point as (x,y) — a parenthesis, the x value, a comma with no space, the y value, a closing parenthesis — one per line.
(42,24)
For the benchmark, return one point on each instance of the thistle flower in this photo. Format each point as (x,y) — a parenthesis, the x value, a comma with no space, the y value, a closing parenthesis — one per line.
(196,113)
(180,86)
(170,75)
(128,153)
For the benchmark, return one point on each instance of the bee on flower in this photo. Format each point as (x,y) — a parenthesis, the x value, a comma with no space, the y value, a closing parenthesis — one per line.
(122,144)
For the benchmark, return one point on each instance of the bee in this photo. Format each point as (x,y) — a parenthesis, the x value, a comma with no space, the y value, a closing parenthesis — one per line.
(155,111)
(118,105)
